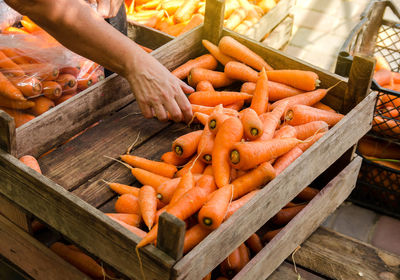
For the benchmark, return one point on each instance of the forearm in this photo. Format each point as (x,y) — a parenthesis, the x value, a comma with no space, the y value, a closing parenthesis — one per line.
(79,28)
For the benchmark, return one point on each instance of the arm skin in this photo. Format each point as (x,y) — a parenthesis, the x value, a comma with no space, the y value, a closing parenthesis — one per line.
(79,28)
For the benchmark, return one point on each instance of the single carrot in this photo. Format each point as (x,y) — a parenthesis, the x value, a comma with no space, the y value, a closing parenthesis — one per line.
(172,158)
(259,102)
(233,48)
(52,90)
(244,255)
(207,182)
(214,98)
(135,230)
(160,168)
(309,129)
(217,79)
(383,77)
(252,125)
(8,65)
(20,118)
(41,71)
(195,21)
(166,190)
(285,160)
(15,104)
(276,91)
(186,183)
(286,215)
(127,203)
(216,119)
(129,219)
(42,105)
(239,71)
(74,71)
(206,145)
(8,90)
(252,180)
(186,145)
(208,110)
(373,147)
(301,114)
(214,210)
(148,205)
(254,243)
(238,105)
(304,80)
(271,234)
(202,118)
(15,55)
(271,121)
(230,132)
(307,194)
(248,87)
(205,61)
(247,155)
(237,16)
(230,7)
(186,10)
(29,86)
(267,5)
(194,236)
(31,162)
(14,30)
(66,81)
(322,106)
(381,63)
(308,98)
(286,131)
(208,170)
(196,167)
(215,51)
(86,80)
(148,178)
(231,265)
(204,86)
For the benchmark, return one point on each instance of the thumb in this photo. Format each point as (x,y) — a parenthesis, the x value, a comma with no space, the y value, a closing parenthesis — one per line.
(185,87)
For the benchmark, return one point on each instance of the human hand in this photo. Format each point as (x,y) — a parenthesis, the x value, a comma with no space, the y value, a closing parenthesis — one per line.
(107,8)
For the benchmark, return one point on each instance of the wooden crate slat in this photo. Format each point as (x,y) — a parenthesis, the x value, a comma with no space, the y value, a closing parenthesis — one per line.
(341,257)
(7,133)
(147,36)
(277,193)
(286,271)
(75,162)
(79,221)
(49,129)
(281,34)
(298,229)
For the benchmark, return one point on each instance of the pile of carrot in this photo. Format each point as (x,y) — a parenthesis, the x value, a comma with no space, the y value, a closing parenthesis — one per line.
(30,86)
(176,17)
(387,117)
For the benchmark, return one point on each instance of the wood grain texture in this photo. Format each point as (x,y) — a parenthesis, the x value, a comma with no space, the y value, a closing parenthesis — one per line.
(281,34)
(147,36)
(301,226)
(249,218)
(70,117)
(15,214)
(213,20)
(74,163)
(341,257)
(270,20)
(171,235)
(286,272)
(7,133)
(370,33)
(33,257)
(80,222)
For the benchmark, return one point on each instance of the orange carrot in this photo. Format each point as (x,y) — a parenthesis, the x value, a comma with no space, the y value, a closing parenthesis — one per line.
(244,255)
(304,80)
(127,203)
(390,112)
(396,77)
(42,71)
(204,86)
(286,131)
(186,10)
(14,30)
(196,20)
(216,119)
(208,170)
(248,87)
(202,118)
(307,194)
(238,105)
(215,51)
(8,65)
(205,61)
(381,63)
(208,110)
(239,71)
(373,147)
(285,215)
(214,98)
(148,205)
(148,178)
(259,102)
(31,162)
(301,114)
(172,158)
(196,167)
(160,168)
(42,105)
(8,90)
(320,105)
(247,155)
(252,125)
(213,212)
(308,98)
(29,86)
(194,236)
(15,55)
(217,79)
(254,243)
(236,18)
(230,132)
(233,48)
(186,145)
(66,81)
(129,219)
(270,121)
(271,234)
(276,91)
(285,160)
(19,117)
(308,129)
(186,183)
(52,90)
(206,145)
(207,182)
(30,26)
(74,71)
(383,77)
(231,265)
(15,104)
(135,230)
(166,190)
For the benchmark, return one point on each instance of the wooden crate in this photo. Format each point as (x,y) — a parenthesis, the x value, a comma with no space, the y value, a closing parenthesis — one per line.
(281,34)
(67,198)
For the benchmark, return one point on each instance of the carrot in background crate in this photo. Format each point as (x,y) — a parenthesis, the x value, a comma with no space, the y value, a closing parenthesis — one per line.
(9,91)
(286,215)
(244,255)
(217,79)
(7,64)
(19,117)
(237,16)
(239,71)
(369,146)
(194,236)
(31,162)
(307,194)
(52,90)
(42,105)
(160,168)
(195,21)
(301,114)
(15,104)
(216,52)
(29,86)
(304,80)
(271,234)
(232,264)
(214,98)
(206,61)
(254,243)
(185,12)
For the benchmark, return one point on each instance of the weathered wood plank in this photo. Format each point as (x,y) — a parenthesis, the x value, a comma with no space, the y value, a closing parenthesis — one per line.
(281,34)
(270,20)
(80,222)
(341,257)
(286,271)
(33,257)
(15,214)
(7,133)
(171,234)
(298,229)
(75,162)
(70,117)
(214,20)
(249,218)
(371,31)
(146,36)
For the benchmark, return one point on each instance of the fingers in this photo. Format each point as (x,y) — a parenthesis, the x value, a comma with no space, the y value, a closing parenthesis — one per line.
(147,111)
(185,87)
(184,105)
(174,110)
(160,112)
(103,8)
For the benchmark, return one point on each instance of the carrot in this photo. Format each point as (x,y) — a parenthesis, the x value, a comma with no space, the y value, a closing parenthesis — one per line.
(186,145)
(215,51)
(396,77)
(230,132)
(29,86)
(308,98)
(186,183)
(285,160)
(252,125)
(216,119)
(259,102)
(129,219)
(214,98)
(248,87)
(217,79)
(238,105)
(390,112)
(207,182)
(309,129)
(194,236)
(237,16)
(304,80)
(42,105)
(66,81)
(8,90)
(204,86)
(373,147)
(381,63)
(205,61)
(185,12)
(127,203)
(208,277)
(19,117)
(247,155)
(271,121)
(320,105)
(172,158)
(230,7)
(252,180)
(52,90)
(171,6)
(148,178)
(41,71)
(63,98)
(206,145)
(15,55)
(276,91)
(244,26)
(196,168)
(208,170)
(231,265)
(15,104)
(31,162)
(383,77)
(213,212)
(14,30)
(148,205)
(74,71)
(202,118)
(30,26)
(301,114)
(307,194)
(239,71)
(285,215)
(8,65)
(86,80)
(160,168)
(208,110)
(78,259)
(271,234)
(195,21)
(166,190)
(244,255)
(286,131)
(135,230)
(254,243)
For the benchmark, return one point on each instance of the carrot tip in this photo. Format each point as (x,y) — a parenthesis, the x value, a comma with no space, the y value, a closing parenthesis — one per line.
(235,156)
